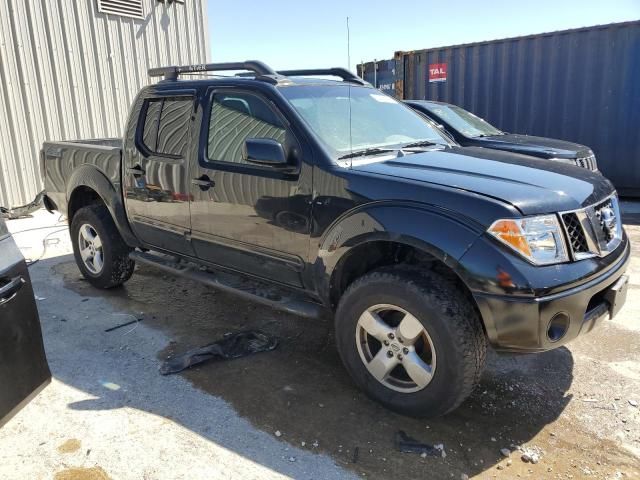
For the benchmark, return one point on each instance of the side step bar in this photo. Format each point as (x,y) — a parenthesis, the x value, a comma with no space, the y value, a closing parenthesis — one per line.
(243,286)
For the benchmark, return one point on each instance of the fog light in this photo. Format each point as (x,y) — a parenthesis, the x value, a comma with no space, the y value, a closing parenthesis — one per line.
(558,327)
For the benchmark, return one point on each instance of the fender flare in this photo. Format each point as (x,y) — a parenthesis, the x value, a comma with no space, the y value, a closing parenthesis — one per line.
(91,177)
(444,234)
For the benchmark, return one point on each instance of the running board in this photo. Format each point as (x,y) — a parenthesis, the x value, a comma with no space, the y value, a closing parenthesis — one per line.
(243,286)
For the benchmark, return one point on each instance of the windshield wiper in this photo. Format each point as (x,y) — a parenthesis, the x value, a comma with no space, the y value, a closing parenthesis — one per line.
(421,143)
(364,152)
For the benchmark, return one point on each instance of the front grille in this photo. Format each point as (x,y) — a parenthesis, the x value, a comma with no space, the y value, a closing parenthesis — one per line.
(588,162)
(575,233)
(608,231)
(595,230)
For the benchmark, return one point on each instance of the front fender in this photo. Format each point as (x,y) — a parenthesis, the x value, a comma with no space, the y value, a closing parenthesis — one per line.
(444,234)
(91,177)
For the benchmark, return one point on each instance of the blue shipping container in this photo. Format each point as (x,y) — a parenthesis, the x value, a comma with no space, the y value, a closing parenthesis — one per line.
(581,85)
(381,74)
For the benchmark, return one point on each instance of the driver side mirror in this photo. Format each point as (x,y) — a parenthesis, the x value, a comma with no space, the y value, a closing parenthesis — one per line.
(264,151)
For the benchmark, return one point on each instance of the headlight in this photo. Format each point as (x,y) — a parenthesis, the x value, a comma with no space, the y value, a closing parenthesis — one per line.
(538,239)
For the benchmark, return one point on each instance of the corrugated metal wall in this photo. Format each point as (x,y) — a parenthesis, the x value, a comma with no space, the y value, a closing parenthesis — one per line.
(581,85)
(69,72)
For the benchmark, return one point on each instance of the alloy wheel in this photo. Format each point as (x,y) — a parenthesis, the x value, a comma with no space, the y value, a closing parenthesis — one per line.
(395,348)
(90,247)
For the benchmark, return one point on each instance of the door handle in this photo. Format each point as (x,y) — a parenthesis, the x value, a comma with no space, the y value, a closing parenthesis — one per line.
(136,171)
(204,182)
(9,290)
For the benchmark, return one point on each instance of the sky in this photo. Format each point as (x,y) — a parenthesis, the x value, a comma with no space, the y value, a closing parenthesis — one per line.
(306,34)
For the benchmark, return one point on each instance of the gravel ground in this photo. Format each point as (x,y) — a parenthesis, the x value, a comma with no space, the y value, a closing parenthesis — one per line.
(294,412)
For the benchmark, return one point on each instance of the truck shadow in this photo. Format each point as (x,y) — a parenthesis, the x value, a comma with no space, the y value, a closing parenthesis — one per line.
(300,389)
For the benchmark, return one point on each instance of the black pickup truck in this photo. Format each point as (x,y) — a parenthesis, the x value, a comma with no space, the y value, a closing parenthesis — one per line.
(315,195)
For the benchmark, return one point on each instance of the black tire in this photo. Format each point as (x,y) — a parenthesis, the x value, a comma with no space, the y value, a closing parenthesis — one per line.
(117,267)
(450,321)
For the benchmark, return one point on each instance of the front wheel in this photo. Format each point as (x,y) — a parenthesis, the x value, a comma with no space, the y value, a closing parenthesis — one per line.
(100,252)
(411,340)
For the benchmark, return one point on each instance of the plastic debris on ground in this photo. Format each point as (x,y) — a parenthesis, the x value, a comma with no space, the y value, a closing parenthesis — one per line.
(232,345)
(405,444)
(135,320)
(22,210)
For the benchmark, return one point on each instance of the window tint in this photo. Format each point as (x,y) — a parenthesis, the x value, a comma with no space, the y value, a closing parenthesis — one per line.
(236,117)
(166,126)
(173,133)
(150,132)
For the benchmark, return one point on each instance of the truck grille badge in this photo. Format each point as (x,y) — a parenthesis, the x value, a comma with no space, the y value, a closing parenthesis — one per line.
(595,230)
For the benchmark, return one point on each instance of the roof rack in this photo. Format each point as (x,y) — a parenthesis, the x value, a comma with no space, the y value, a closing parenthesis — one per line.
(343,73)
(262,71)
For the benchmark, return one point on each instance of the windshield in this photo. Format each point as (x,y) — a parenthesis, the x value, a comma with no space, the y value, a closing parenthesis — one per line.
(378,122)
(463,121)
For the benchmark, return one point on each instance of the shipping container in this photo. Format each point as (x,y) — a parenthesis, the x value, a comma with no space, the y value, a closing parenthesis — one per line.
(381,74)
(581,85)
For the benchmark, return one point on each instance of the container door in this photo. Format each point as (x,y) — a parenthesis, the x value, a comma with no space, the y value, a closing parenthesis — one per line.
(24,370)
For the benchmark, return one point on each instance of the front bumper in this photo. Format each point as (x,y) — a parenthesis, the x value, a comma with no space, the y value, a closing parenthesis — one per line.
(518,323)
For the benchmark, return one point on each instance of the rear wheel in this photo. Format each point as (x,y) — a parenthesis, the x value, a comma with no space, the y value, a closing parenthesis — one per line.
(411,340)
(100,252)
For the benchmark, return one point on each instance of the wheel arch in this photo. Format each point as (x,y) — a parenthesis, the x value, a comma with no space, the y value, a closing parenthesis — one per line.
(392,234)
(89,186)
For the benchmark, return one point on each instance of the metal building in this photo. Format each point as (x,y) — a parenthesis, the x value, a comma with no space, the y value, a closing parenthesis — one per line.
(581,85)
(69,69)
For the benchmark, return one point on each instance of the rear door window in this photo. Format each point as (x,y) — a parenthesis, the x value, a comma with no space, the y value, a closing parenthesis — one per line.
(166,125)
(152,118)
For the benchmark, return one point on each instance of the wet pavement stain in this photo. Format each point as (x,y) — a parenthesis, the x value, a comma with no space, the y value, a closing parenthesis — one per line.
(79,473)
(70,446)
(302,390)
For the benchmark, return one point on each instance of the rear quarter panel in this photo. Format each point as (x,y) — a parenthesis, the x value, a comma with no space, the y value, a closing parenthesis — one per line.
(61,161)
(94,164)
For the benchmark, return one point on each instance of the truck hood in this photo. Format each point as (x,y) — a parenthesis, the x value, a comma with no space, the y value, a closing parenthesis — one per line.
(536,146)
(532,185)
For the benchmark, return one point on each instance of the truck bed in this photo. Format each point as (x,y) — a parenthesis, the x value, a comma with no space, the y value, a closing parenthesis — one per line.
(96,142)
(61,160)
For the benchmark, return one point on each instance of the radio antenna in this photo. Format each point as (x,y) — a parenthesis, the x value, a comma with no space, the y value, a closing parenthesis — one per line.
(349,87)
(348,46)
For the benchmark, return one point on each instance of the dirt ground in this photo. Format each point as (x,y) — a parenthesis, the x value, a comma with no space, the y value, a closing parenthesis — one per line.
(576,407)
(573,403)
